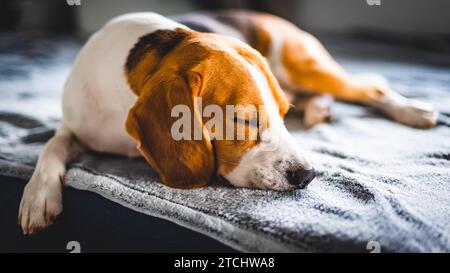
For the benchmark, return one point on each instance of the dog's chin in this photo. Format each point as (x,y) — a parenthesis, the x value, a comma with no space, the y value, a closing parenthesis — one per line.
(259,184)
(271,185)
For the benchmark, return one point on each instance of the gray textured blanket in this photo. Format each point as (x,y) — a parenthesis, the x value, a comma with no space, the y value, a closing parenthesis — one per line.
(378,180)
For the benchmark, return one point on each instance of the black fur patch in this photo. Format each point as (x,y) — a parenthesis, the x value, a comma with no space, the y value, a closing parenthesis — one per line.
(241,21)
(163,41)
(194,25)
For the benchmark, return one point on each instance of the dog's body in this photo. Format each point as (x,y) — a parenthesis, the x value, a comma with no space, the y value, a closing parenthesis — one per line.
(117,97)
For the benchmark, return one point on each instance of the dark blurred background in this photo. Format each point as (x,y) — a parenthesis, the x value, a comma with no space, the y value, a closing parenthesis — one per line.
(81,17)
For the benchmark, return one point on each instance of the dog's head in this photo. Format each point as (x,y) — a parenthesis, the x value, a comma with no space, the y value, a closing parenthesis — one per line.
(195,71)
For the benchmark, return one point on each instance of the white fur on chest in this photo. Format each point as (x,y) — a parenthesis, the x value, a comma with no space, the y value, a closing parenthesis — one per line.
(96,96)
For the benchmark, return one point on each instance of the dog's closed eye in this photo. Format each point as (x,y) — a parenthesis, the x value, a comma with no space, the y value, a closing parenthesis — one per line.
(247,122)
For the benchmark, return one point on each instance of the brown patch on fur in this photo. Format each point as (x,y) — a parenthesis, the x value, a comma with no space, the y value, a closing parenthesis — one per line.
(148,52)
(262,41)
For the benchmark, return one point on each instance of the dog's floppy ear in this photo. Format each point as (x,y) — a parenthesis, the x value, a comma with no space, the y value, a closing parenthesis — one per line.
(182,163)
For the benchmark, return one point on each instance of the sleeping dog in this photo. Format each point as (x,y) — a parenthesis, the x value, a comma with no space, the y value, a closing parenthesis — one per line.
(132,72)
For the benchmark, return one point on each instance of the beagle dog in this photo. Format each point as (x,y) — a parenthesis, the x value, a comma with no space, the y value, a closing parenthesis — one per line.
(132,72)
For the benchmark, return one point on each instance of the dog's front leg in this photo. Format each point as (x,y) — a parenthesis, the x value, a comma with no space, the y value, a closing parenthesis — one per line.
(42,197)
(316,108)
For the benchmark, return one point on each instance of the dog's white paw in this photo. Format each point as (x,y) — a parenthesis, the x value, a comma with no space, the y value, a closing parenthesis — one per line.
(317,110)
(41,203)
(410,112)
(417,114)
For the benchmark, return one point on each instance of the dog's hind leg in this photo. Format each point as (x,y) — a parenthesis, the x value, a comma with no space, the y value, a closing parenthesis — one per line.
(42,197)
(404,110)
(302,64)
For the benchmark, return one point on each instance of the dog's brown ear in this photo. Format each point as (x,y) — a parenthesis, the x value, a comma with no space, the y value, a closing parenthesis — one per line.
(180,163)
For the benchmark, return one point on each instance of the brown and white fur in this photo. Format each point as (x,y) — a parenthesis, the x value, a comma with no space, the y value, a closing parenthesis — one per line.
(118,96)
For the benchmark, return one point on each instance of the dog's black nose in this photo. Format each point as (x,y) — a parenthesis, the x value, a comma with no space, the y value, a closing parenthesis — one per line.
(301,177)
